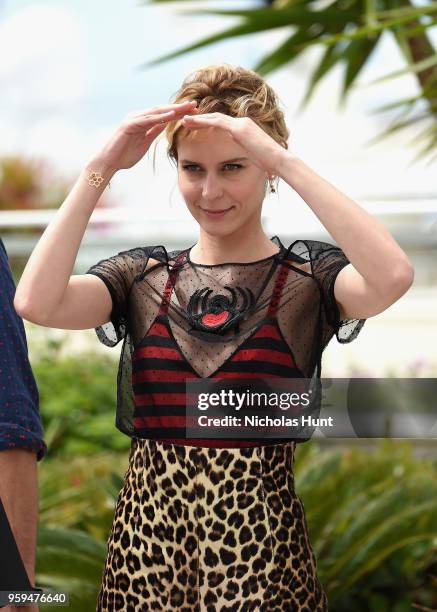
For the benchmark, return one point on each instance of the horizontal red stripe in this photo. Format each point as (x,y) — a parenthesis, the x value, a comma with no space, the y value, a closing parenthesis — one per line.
(156,399)
(163,421)
(269,355)
(267,331)
(157,352)
(223,374)
(163,376)
(158,329)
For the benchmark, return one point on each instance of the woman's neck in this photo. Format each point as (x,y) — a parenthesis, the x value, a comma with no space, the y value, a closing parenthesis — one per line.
(212,250)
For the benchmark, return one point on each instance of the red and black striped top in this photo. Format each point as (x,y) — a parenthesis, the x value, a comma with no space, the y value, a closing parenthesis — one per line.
(160,371)
(288,314)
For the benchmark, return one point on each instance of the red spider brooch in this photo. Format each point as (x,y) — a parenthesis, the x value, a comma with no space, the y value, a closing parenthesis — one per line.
(220,314)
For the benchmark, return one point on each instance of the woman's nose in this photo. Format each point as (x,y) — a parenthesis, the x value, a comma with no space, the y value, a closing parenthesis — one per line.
(211,187)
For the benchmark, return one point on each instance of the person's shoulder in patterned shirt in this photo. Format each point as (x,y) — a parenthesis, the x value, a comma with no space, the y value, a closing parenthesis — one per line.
(20,420)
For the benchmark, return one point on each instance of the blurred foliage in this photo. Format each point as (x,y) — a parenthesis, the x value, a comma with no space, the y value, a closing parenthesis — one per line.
(29,184)
(373,523)
(70,561)
(78,401)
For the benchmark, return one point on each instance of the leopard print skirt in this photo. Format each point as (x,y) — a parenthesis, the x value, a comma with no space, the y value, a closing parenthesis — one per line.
(210,529)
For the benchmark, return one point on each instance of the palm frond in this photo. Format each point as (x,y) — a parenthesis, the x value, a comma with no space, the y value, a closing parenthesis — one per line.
(405,101)
(356,54)
(396,126)
(429,62)
(286,52)
(260,20)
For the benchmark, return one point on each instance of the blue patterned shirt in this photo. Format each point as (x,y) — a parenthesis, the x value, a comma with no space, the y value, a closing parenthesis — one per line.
(20,421)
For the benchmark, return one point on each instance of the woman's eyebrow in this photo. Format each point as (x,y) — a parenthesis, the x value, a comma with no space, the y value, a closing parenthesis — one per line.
(227,161)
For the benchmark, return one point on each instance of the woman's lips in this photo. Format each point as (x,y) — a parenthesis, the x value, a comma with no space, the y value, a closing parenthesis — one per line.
(216,213)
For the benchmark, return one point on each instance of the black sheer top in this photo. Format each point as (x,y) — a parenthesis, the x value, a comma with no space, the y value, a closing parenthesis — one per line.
(307,312)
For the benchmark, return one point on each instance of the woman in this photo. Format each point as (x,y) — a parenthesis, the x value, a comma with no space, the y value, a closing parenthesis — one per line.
(213,523)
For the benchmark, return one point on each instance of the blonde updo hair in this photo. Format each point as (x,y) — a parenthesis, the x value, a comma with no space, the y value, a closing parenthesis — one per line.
(231,90)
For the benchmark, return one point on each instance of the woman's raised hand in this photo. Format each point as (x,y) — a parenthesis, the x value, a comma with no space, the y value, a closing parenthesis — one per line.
(133,137)
(261,148)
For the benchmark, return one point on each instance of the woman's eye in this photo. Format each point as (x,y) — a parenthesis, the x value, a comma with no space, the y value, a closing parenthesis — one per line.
(190,167)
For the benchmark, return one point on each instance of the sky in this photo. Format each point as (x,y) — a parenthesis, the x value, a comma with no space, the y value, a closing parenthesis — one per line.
(69,73)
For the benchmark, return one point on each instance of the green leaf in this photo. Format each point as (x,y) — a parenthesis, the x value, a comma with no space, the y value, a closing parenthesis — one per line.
(287,16)
(375,559)
(391,105)
(223,35)
(356,55)
(286,52)
(409,11)
(374,521)
(260,20)
(431,145)
(61,551)
(416,67)
(395,127)
(430,130)
(332,55)
(420,28)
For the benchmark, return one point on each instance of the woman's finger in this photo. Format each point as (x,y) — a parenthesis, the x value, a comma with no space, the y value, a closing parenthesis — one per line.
(151,119)
(156,129)
(211,118)
(182,106)
(208,120)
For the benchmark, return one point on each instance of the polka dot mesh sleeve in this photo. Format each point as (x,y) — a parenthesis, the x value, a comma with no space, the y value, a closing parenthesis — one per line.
(118,273)
(326,261)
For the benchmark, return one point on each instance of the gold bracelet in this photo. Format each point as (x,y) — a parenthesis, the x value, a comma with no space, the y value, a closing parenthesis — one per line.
(95,179)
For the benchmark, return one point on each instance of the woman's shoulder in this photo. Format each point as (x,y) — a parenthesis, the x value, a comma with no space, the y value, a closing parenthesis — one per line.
(297,254)
(151,256)
(308,252)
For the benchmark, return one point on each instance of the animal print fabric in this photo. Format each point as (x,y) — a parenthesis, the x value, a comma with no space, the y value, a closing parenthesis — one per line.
(203,529)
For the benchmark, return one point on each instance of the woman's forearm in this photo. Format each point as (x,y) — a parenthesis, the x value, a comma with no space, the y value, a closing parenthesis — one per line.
(48,270)
(368,245)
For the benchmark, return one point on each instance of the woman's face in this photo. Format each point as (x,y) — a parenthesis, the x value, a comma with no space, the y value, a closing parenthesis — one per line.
(215,174)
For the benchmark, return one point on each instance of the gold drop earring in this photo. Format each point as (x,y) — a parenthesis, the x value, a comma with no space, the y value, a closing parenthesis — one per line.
(272,186)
